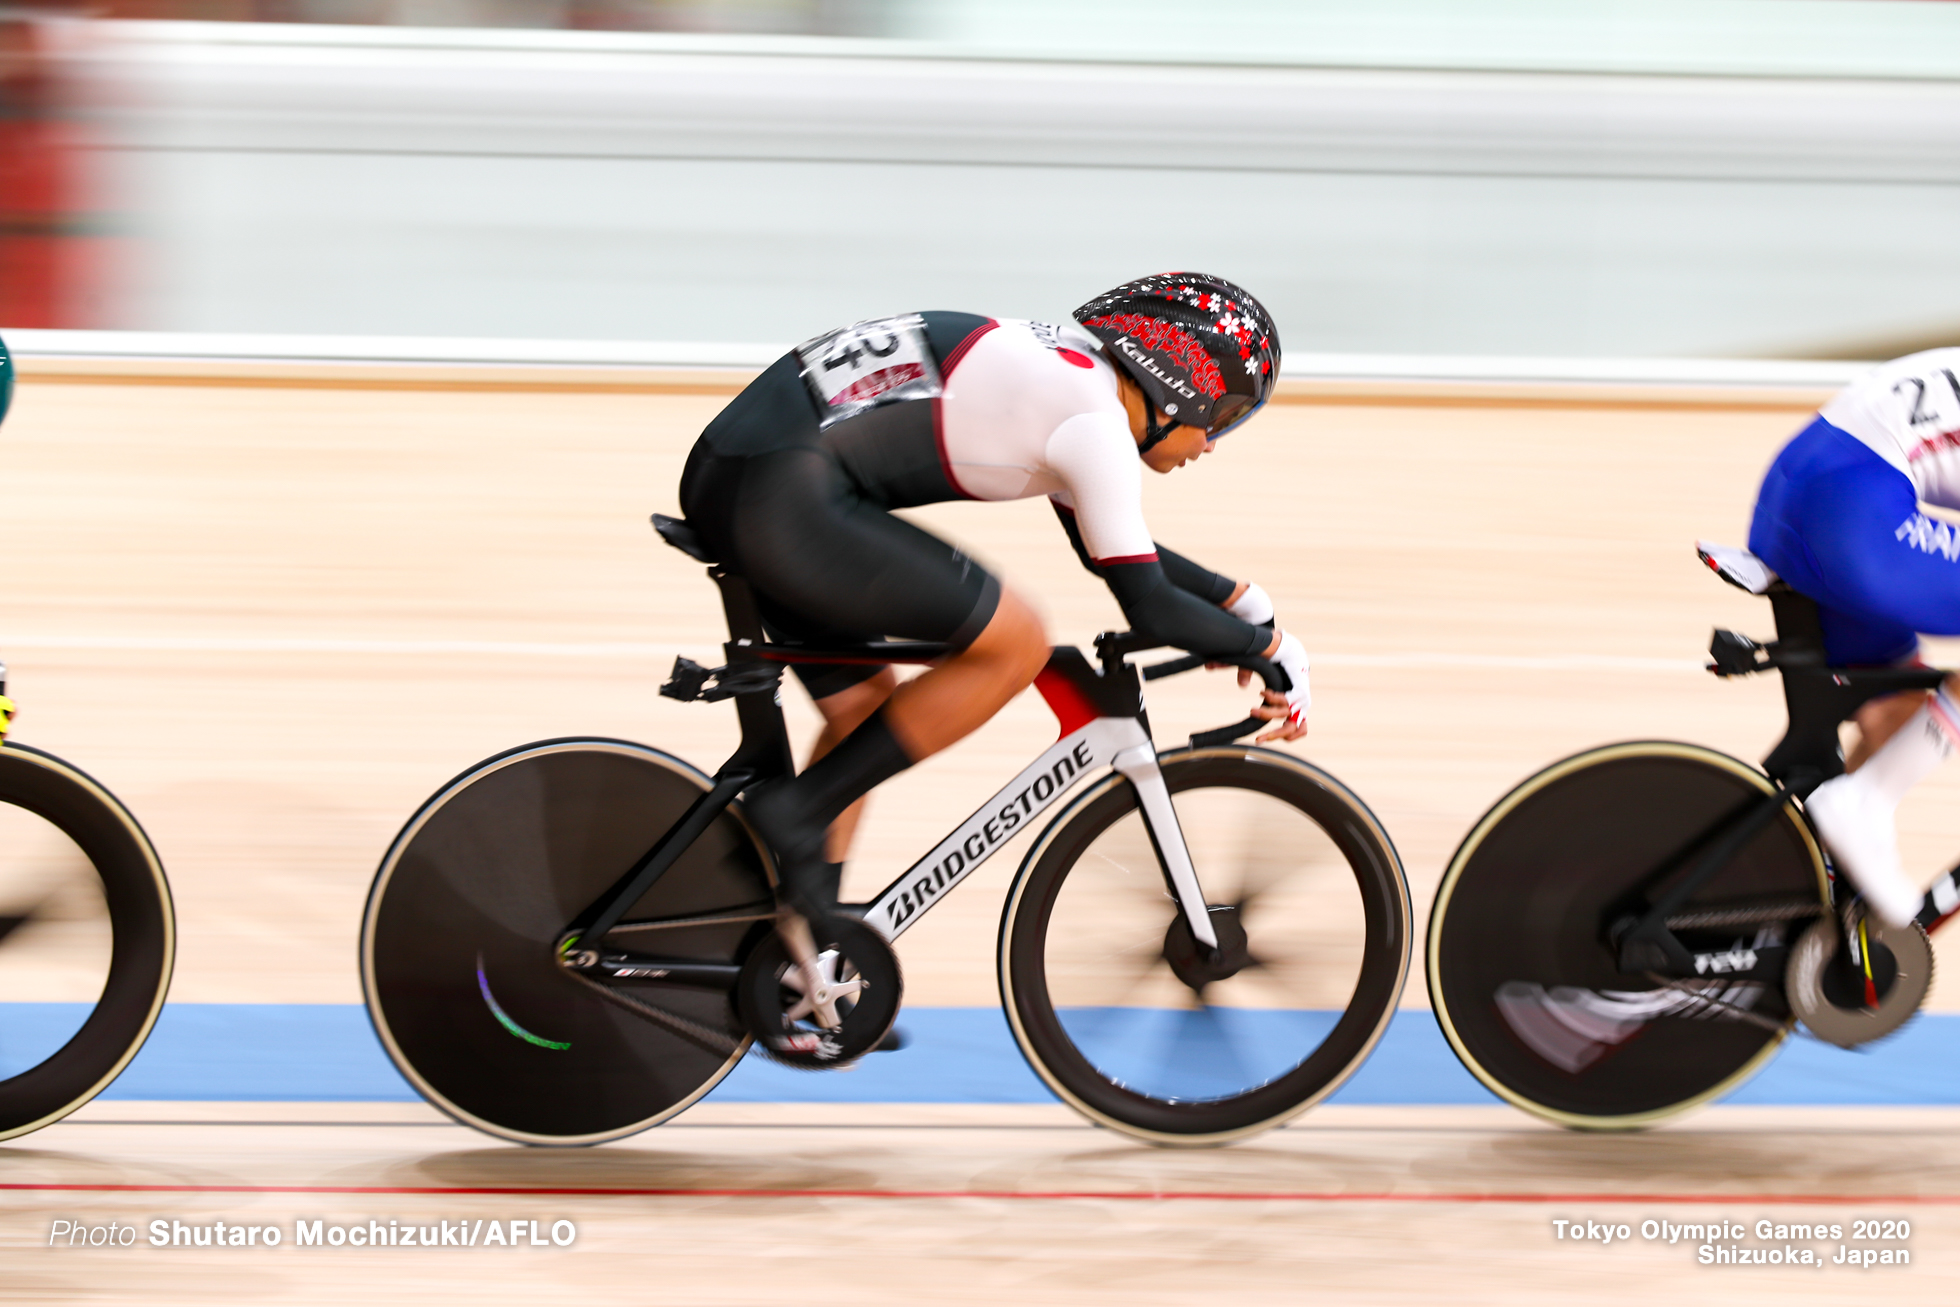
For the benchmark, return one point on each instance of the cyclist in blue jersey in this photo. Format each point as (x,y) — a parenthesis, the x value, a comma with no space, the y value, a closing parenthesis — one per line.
(793,485)
(1840,518)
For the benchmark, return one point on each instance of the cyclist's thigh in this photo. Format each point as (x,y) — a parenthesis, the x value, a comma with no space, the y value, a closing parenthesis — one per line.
(1852,537)
(1854,639)
(821,679)
(807,540)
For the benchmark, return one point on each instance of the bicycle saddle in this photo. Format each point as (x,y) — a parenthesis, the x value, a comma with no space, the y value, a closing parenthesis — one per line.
(1738,567)
(682,537)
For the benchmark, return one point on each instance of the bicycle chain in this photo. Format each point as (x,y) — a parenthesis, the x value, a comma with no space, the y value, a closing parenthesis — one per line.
(1720,917)
(761,912)
(714,1041)
(1742,1013)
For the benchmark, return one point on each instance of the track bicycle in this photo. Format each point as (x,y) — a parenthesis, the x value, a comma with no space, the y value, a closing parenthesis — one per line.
(87,935)
(572,940)
(1634,930)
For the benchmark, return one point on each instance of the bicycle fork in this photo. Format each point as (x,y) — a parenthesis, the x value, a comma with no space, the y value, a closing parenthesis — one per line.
(1138,765)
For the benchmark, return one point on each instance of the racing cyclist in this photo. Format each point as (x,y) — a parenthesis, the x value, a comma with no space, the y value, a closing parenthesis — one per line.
(792,487)
(1839,518)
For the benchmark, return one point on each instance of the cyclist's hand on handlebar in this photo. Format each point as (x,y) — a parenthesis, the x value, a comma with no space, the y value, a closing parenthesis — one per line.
(1288,710)
(1291,725)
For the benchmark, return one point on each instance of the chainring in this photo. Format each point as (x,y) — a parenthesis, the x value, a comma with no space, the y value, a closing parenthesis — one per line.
(852,956)
(1828,992)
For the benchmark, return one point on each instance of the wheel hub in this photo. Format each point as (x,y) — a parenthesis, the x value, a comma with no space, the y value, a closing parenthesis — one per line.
(1199,965)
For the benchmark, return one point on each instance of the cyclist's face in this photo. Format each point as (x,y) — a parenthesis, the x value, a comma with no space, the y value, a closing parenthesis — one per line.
(1175,450)
(1181,446)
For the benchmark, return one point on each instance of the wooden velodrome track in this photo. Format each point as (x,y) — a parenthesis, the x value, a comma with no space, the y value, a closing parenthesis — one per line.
(273,610)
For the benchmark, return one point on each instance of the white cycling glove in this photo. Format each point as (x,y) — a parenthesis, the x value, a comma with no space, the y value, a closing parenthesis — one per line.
(1291,658)
(1254,606)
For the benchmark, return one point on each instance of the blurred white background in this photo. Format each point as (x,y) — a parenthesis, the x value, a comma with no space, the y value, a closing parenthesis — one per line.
(1746,178)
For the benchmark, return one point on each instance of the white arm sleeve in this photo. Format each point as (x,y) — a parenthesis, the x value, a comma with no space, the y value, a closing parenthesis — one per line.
(1253,606)
(1094,455)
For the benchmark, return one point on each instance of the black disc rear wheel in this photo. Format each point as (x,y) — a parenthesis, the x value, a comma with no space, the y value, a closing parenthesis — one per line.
(1524,980)
(87,938)
(459,945)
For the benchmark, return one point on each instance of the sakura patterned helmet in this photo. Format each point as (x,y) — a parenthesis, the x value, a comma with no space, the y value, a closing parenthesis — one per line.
(1203,350)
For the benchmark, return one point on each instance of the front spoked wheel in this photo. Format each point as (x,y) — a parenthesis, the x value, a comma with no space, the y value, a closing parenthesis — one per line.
(1523,973)
(459,948)
(1132,1023)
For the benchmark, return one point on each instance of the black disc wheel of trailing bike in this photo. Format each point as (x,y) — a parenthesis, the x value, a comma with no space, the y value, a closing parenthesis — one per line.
(87,938)
(1522,974)
(460,945)
(1132,1022)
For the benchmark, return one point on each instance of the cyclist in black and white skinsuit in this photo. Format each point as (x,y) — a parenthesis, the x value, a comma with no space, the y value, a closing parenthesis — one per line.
(793,484)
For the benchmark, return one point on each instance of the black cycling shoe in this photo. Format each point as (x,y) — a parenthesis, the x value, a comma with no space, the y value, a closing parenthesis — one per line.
(806,882)
(794,815)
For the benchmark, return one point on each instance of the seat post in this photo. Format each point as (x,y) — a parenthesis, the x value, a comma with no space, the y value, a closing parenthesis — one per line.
(738,603)
(1808,754)
(1799,632)
(1818,697)
(765,750)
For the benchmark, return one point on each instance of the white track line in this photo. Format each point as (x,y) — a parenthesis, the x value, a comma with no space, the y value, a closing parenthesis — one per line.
(218,347)
(631,650)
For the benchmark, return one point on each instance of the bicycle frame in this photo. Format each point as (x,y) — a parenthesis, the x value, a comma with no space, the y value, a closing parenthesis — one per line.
(1096,741)
(1818,698)
(1103,724)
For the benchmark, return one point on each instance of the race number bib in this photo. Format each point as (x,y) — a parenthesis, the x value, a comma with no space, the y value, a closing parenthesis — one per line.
(868,364)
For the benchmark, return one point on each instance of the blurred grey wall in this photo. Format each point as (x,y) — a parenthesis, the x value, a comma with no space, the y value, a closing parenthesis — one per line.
(635,186)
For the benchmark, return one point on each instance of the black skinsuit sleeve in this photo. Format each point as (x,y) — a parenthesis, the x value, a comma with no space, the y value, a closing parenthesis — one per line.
(1173,599)
(1212,587)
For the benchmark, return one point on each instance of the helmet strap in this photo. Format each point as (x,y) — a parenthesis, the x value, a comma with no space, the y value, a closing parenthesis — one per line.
(1154,433)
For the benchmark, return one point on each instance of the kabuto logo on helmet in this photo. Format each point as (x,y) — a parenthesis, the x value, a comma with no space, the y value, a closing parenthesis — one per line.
(1167,352)
(1202,350)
